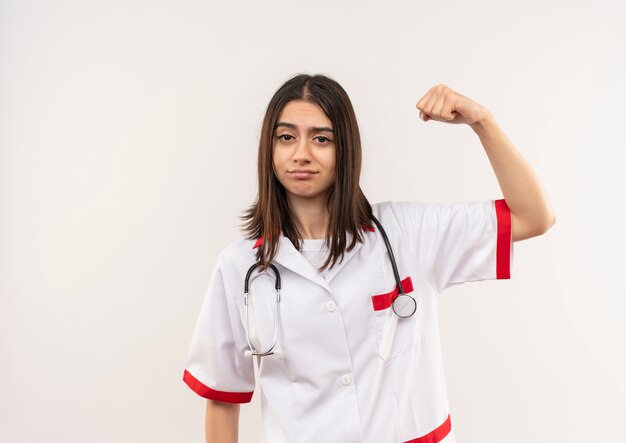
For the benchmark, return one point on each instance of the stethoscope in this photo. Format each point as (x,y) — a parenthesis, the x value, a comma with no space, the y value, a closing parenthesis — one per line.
(403,306)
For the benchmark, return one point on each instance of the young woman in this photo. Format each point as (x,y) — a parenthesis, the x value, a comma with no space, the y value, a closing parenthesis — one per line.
(349,351)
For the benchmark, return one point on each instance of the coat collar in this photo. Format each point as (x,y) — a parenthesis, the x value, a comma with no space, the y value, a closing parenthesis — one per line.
(289,257)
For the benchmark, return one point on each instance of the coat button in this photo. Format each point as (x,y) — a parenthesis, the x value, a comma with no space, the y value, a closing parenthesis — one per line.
(331,306)
(346,379)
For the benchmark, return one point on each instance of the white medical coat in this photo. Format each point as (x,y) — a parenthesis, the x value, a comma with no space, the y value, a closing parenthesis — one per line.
(350,369)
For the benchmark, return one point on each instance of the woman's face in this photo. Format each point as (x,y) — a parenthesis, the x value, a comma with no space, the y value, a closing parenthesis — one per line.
(303,141)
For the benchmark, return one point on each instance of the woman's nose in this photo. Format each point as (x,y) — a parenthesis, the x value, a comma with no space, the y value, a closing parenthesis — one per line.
(303,151)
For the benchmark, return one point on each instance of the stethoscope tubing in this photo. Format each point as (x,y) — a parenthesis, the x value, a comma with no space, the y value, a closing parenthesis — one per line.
(401,298)
(252,350)
(396,274)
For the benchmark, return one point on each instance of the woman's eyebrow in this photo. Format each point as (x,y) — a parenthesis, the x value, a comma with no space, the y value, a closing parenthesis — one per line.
(311,129)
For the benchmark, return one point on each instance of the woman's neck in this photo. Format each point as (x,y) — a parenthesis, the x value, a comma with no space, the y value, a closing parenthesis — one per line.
(310,215)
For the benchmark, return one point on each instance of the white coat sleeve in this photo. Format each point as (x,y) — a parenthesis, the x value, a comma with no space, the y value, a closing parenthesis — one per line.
(459,242)
(216,367)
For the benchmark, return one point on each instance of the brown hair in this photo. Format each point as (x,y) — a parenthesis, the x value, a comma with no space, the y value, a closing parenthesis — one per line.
(349,209)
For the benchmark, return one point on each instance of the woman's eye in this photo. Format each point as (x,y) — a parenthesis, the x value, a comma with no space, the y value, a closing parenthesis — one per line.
(287,137)
(325,139)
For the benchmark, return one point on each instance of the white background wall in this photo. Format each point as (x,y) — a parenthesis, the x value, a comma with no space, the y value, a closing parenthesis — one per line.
(128,138)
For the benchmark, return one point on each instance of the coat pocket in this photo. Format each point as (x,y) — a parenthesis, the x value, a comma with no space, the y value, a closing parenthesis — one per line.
(394,335)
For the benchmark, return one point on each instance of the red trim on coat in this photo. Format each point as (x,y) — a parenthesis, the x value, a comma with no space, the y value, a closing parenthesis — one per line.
(368,228)
(436,435)
(204,391)
(503,245)
(259,241)
(383,301)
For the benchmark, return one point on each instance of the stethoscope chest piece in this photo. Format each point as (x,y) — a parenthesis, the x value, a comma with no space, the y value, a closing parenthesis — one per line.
(404,306)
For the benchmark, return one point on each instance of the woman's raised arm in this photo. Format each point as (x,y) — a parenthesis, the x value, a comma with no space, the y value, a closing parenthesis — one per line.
(531,212)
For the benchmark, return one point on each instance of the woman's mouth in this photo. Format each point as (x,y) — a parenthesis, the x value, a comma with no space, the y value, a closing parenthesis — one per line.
(302,174)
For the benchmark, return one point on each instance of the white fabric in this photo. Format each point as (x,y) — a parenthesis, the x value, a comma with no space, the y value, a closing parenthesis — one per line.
(352,373)
(315,251)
